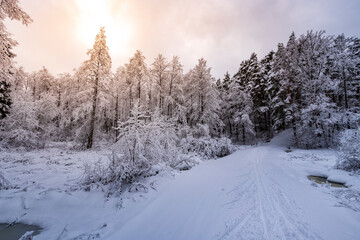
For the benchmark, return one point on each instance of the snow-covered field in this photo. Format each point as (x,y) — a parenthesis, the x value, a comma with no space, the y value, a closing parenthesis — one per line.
(259,192)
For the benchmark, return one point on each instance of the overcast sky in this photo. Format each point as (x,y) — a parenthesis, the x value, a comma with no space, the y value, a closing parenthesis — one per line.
(224,32)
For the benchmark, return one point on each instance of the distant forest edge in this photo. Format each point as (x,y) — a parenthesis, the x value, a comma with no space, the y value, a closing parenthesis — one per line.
(310,85)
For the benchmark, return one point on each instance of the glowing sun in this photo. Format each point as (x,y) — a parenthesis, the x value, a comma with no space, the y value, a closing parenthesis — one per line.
(97,13)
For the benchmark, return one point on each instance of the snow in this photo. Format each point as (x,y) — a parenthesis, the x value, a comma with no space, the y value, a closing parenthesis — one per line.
(258,192)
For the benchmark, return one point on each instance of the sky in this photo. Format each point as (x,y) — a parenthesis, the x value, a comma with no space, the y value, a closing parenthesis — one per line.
(223,32)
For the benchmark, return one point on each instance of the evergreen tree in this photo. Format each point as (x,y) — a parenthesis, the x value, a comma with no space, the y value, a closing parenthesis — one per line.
(276,91)
(12,10)
(226,81)
(225,113)
(266,65)
(5,99)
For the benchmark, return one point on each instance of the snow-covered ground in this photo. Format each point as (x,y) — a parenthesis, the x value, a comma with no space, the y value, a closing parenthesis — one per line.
(259,192)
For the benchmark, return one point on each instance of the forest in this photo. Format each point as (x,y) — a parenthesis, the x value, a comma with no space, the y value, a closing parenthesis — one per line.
(279,121)
(311,85)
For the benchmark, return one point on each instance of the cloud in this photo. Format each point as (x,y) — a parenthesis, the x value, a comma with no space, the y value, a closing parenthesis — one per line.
(224,32)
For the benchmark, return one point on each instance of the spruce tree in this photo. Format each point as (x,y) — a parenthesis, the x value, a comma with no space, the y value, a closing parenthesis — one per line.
(5,99)
(12,10)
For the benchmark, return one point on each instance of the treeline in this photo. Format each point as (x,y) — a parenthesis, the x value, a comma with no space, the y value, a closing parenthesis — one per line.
(310,85)
(91,103)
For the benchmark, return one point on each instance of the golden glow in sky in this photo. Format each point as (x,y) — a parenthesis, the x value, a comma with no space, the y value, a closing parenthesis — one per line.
(222,32)
(97,13)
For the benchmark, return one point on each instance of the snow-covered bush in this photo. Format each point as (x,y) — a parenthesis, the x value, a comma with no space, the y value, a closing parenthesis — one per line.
(147,140)
(197,140)
(113,172)
(145,146)
(114,175)
(185,162)
(21,127)
(207,147)
(349,158)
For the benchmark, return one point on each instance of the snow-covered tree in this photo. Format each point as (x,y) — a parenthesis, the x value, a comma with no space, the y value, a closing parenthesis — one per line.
(267,87)
(22,129)
(202,100)
(240,108)
(8,9)
(5,99)
(138,79)
(276,91)
(160,81)
(175,96)
(97,68)
(349,159)
(318,112)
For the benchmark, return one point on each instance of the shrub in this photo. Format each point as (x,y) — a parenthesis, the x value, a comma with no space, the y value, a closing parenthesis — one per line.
(117,174)
(349,157)
(207,147)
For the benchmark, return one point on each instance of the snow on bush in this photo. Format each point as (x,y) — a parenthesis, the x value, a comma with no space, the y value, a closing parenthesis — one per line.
(207,147)
(147,140)
(349,158)
(20,129)
(185,162)
(145,145)
(198,141)
(148,144)
(118,175)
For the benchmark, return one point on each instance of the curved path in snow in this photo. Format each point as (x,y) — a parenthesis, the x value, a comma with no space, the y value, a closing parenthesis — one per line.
(255,193)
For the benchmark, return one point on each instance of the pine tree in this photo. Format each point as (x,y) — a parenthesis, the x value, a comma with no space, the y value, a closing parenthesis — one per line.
(5,99)
(225,115)
(12,10)
(226,81)
(276,90)
(266,65)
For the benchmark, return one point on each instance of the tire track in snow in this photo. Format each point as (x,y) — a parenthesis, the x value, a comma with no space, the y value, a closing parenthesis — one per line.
(266,212)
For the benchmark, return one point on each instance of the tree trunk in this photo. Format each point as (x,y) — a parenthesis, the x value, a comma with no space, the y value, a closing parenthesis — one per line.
(293,122)
(130,101)
(92,116)
(139,90)
(116,124)
(243,134)
(161,95)
(294,130)
(345,91)
(170,103)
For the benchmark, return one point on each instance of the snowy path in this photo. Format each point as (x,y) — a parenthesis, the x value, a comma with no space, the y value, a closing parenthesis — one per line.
(256,193)
(252,194)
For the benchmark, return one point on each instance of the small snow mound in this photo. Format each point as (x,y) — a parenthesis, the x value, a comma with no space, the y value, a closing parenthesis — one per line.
(282,139)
